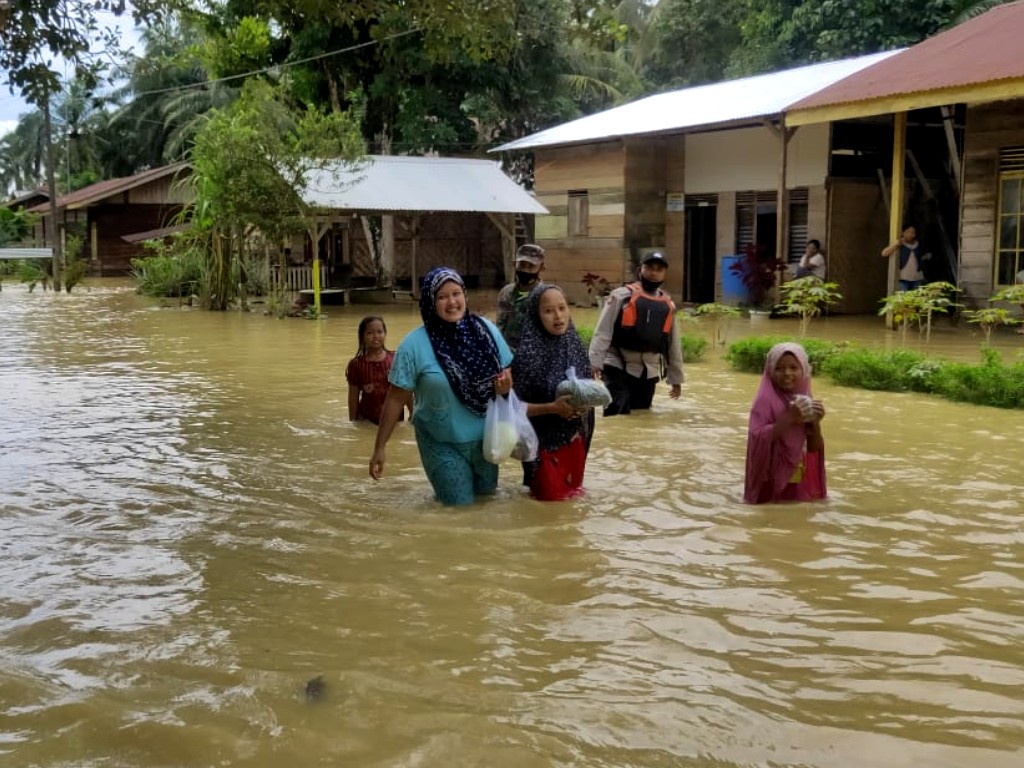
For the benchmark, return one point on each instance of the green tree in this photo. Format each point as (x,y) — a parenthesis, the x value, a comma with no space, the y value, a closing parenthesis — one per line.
(251,162)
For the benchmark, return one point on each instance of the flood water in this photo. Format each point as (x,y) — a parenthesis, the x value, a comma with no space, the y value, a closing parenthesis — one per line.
(188,535)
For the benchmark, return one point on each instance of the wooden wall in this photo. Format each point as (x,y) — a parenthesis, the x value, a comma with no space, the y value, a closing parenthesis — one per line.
(467,242)
(989,128)
(654,167)
(600,170)
(725,234)
(857,231)
(107,223)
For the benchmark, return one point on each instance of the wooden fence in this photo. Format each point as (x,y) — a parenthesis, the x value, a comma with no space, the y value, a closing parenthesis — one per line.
(295,278)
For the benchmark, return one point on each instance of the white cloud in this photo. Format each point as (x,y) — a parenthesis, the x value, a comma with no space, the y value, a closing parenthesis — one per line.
(6,126)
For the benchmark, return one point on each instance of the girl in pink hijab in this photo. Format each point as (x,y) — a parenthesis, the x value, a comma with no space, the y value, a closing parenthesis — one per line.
(785,450)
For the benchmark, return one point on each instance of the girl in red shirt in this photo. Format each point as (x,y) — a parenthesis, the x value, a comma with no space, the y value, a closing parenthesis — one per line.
(367,372)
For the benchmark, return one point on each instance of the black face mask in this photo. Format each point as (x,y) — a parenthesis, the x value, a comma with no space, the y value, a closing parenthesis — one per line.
(649,285)
(525,279)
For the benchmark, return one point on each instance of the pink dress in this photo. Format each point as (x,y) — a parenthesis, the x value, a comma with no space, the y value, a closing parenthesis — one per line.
(780,468)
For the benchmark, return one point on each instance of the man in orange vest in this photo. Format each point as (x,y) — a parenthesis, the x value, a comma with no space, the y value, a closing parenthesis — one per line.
(636,339)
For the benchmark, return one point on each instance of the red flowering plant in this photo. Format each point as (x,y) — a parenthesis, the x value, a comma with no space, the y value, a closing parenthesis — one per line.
(757,271)
(597,286)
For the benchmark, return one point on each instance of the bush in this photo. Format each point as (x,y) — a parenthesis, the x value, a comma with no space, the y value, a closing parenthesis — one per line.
(991,383)
(694,347)
(864,368)
(168,274)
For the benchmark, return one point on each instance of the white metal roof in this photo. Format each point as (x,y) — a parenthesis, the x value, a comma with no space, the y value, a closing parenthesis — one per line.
(419,184)
(732,101)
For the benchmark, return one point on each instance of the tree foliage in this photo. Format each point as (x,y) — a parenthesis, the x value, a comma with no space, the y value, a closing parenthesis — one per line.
(423,75)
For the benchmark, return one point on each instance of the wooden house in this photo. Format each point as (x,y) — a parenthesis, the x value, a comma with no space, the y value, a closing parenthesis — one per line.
(813,152)
(107,214)
(698,173)
(970,79)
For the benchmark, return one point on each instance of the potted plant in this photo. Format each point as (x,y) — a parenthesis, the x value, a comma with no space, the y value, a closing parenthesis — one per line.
(757,271)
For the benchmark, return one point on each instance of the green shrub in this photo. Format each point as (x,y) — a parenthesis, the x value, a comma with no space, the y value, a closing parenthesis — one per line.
(750,353)
(867,369)
(694,347)
(34,272)
(168,274)
(991,383)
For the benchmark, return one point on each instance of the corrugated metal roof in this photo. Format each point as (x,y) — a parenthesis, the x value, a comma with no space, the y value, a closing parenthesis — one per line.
(732,101)
(419,184)
(101,190)
(23,197)
(984,49)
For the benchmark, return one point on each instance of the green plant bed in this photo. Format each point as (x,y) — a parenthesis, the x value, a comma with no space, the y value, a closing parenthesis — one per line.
(694,347)
(750,353)
(992,382)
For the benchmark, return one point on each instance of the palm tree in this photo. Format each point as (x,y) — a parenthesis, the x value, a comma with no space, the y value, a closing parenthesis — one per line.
(23,153)
(159,101)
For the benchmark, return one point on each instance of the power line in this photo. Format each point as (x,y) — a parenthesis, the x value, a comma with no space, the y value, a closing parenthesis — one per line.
(278,67)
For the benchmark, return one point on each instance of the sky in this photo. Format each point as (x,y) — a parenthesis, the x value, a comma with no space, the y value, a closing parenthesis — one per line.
(12,105)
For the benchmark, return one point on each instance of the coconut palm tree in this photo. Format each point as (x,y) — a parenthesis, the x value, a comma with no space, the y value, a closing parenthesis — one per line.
(23,153)
(158,103)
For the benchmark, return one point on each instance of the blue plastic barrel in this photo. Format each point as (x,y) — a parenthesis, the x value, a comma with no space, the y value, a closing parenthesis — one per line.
(733,289)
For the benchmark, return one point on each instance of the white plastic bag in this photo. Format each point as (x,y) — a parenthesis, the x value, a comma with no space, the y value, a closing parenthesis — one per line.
(527,442)
(508,430)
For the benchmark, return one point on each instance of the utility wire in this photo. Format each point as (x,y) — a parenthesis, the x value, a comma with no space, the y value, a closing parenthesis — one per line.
(279,67)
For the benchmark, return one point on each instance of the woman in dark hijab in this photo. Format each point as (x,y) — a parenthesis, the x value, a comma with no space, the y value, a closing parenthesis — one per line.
(549,346)
(450,367)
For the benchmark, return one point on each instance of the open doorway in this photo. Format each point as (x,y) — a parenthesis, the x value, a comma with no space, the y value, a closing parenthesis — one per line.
(699,249)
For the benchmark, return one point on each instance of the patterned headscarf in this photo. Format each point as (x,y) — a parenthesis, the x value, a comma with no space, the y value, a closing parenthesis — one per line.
(465,350)
(539,366)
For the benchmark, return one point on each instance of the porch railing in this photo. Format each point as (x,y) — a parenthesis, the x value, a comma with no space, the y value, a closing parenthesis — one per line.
(295,278)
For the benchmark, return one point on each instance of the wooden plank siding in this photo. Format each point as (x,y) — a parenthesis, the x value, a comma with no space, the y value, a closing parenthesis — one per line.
(599,169)
(107,223)
(989,128)
(626,184)
(858,228)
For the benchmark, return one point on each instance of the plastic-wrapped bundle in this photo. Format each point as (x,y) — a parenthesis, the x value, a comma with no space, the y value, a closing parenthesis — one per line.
(583,393)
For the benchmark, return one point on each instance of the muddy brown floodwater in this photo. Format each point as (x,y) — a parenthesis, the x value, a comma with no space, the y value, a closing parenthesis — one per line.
(188,537)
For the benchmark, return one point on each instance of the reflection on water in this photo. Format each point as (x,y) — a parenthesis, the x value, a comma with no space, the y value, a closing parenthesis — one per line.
(189,535)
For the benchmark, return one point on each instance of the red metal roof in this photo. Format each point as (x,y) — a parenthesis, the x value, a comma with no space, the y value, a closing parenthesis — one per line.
(104,189)
(984,49)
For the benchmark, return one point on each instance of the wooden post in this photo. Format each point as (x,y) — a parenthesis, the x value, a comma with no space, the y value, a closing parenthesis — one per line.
(51,183)
(505,222)
(414,286)
(899,152)
(318,233)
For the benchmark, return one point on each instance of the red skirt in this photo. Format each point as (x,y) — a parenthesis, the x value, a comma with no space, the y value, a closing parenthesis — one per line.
(559,472)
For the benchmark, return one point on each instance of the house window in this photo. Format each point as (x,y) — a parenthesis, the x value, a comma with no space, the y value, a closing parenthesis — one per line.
(798,234)
(1009,240)
(579,212)
(757,222)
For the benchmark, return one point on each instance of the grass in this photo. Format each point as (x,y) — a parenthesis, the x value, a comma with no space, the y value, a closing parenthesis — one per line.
(991,382)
